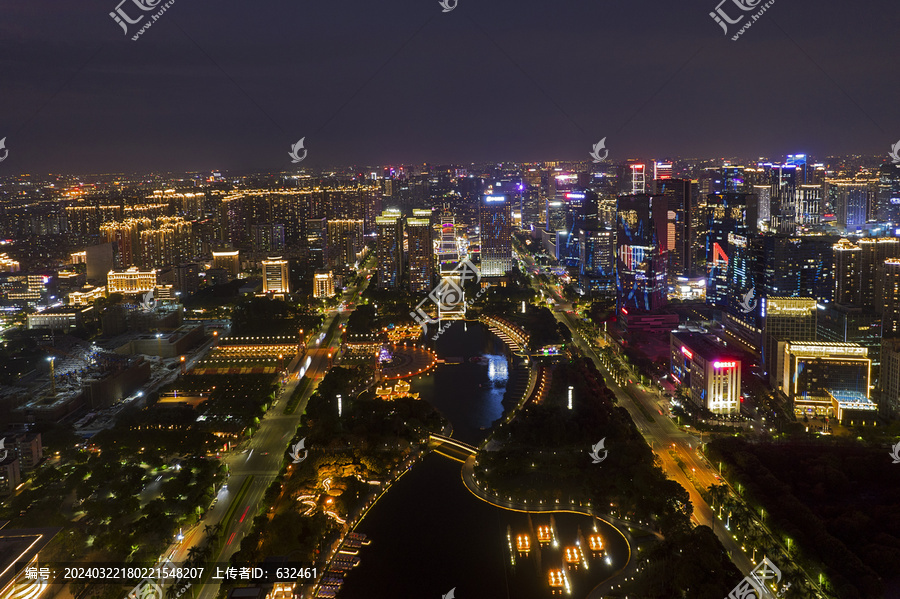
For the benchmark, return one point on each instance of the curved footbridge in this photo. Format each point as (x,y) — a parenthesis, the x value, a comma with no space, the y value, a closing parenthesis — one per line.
(451,448)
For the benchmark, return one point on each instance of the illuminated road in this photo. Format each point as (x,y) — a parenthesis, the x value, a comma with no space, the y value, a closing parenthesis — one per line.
(262,456)
(662,434)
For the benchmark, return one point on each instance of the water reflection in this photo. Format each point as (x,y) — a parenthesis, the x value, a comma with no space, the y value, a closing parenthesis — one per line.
(429,534)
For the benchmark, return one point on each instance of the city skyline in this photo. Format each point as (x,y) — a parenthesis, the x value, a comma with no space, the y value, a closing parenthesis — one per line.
(413,84)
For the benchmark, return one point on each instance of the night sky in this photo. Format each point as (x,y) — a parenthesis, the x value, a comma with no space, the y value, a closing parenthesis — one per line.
(231,85)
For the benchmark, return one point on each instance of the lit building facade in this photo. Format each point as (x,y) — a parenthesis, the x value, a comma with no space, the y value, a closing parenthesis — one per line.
(784,319)
(132,280)
(323,284)
(889,379)
(421,254)
(230,261)
(815,373)
(389,249)
(641,253)
(7,264)
(345,243)
(711,372)
(275,276)
(496,236)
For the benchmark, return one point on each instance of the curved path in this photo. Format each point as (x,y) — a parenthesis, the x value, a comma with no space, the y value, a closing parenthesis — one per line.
(620,526)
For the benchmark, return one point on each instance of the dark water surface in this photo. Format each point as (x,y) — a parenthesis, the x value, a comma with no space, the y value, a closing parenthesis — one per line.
(429,534)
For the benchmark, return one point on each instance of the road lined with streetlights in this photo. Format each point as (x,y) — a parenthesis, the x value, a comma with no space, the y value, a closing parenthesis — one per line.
(662,435)
(263,455)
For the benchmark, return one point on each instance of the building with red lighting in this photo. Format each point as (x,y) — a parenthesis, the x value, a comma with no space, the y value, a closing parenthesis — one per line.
(713,374)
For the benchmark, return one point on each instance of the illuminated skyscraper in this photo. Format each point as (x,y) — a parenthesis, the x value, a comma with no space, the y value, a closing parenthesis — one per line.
(888,305)
(728,220)
(846,273)
(323,284)
(496,236)
(389,249)
(421,254)
(275,276)
(345,242)
(267,237)
(784,319)
(851,203)
(642,254)
(682,197)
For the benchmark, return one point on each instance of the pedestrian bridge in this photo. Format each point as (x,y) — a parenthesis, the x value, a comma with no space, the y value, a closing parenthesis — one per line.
(451,448)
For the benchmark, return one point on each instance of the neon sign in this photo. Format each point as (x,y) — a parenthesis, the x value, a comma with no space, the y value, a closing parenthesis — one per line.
(687,352)
(724,364)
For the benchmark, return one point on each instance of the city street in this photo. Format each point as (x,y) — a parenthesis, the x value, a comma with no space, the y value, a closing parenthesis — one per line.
(262,456)
(662,434)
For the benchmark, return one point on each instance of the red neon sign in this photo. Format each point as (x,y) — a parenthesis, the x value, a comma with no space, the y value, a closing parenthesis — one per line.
(719,254)
(624,311)
(724,364)
(687,352)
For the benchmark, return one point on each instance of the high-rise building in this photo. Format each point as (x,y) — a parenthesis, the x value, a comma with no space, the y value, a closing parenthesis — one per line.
(727,218)
(187,278)
(662,170)
(597,250)
(126,236)
(495,217)
(709,369)
(421,254)
(889,379)
(887,198)
(171,241)
(229,260)
(316,241)
(345,242)
(267,237)
(323,284)
(681,194)
(871,264)
(796,266)
(642,252)
(784,319)
(275,276)
(851,203)
(846,273)
(638,179)
(888,305)
(389,249)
